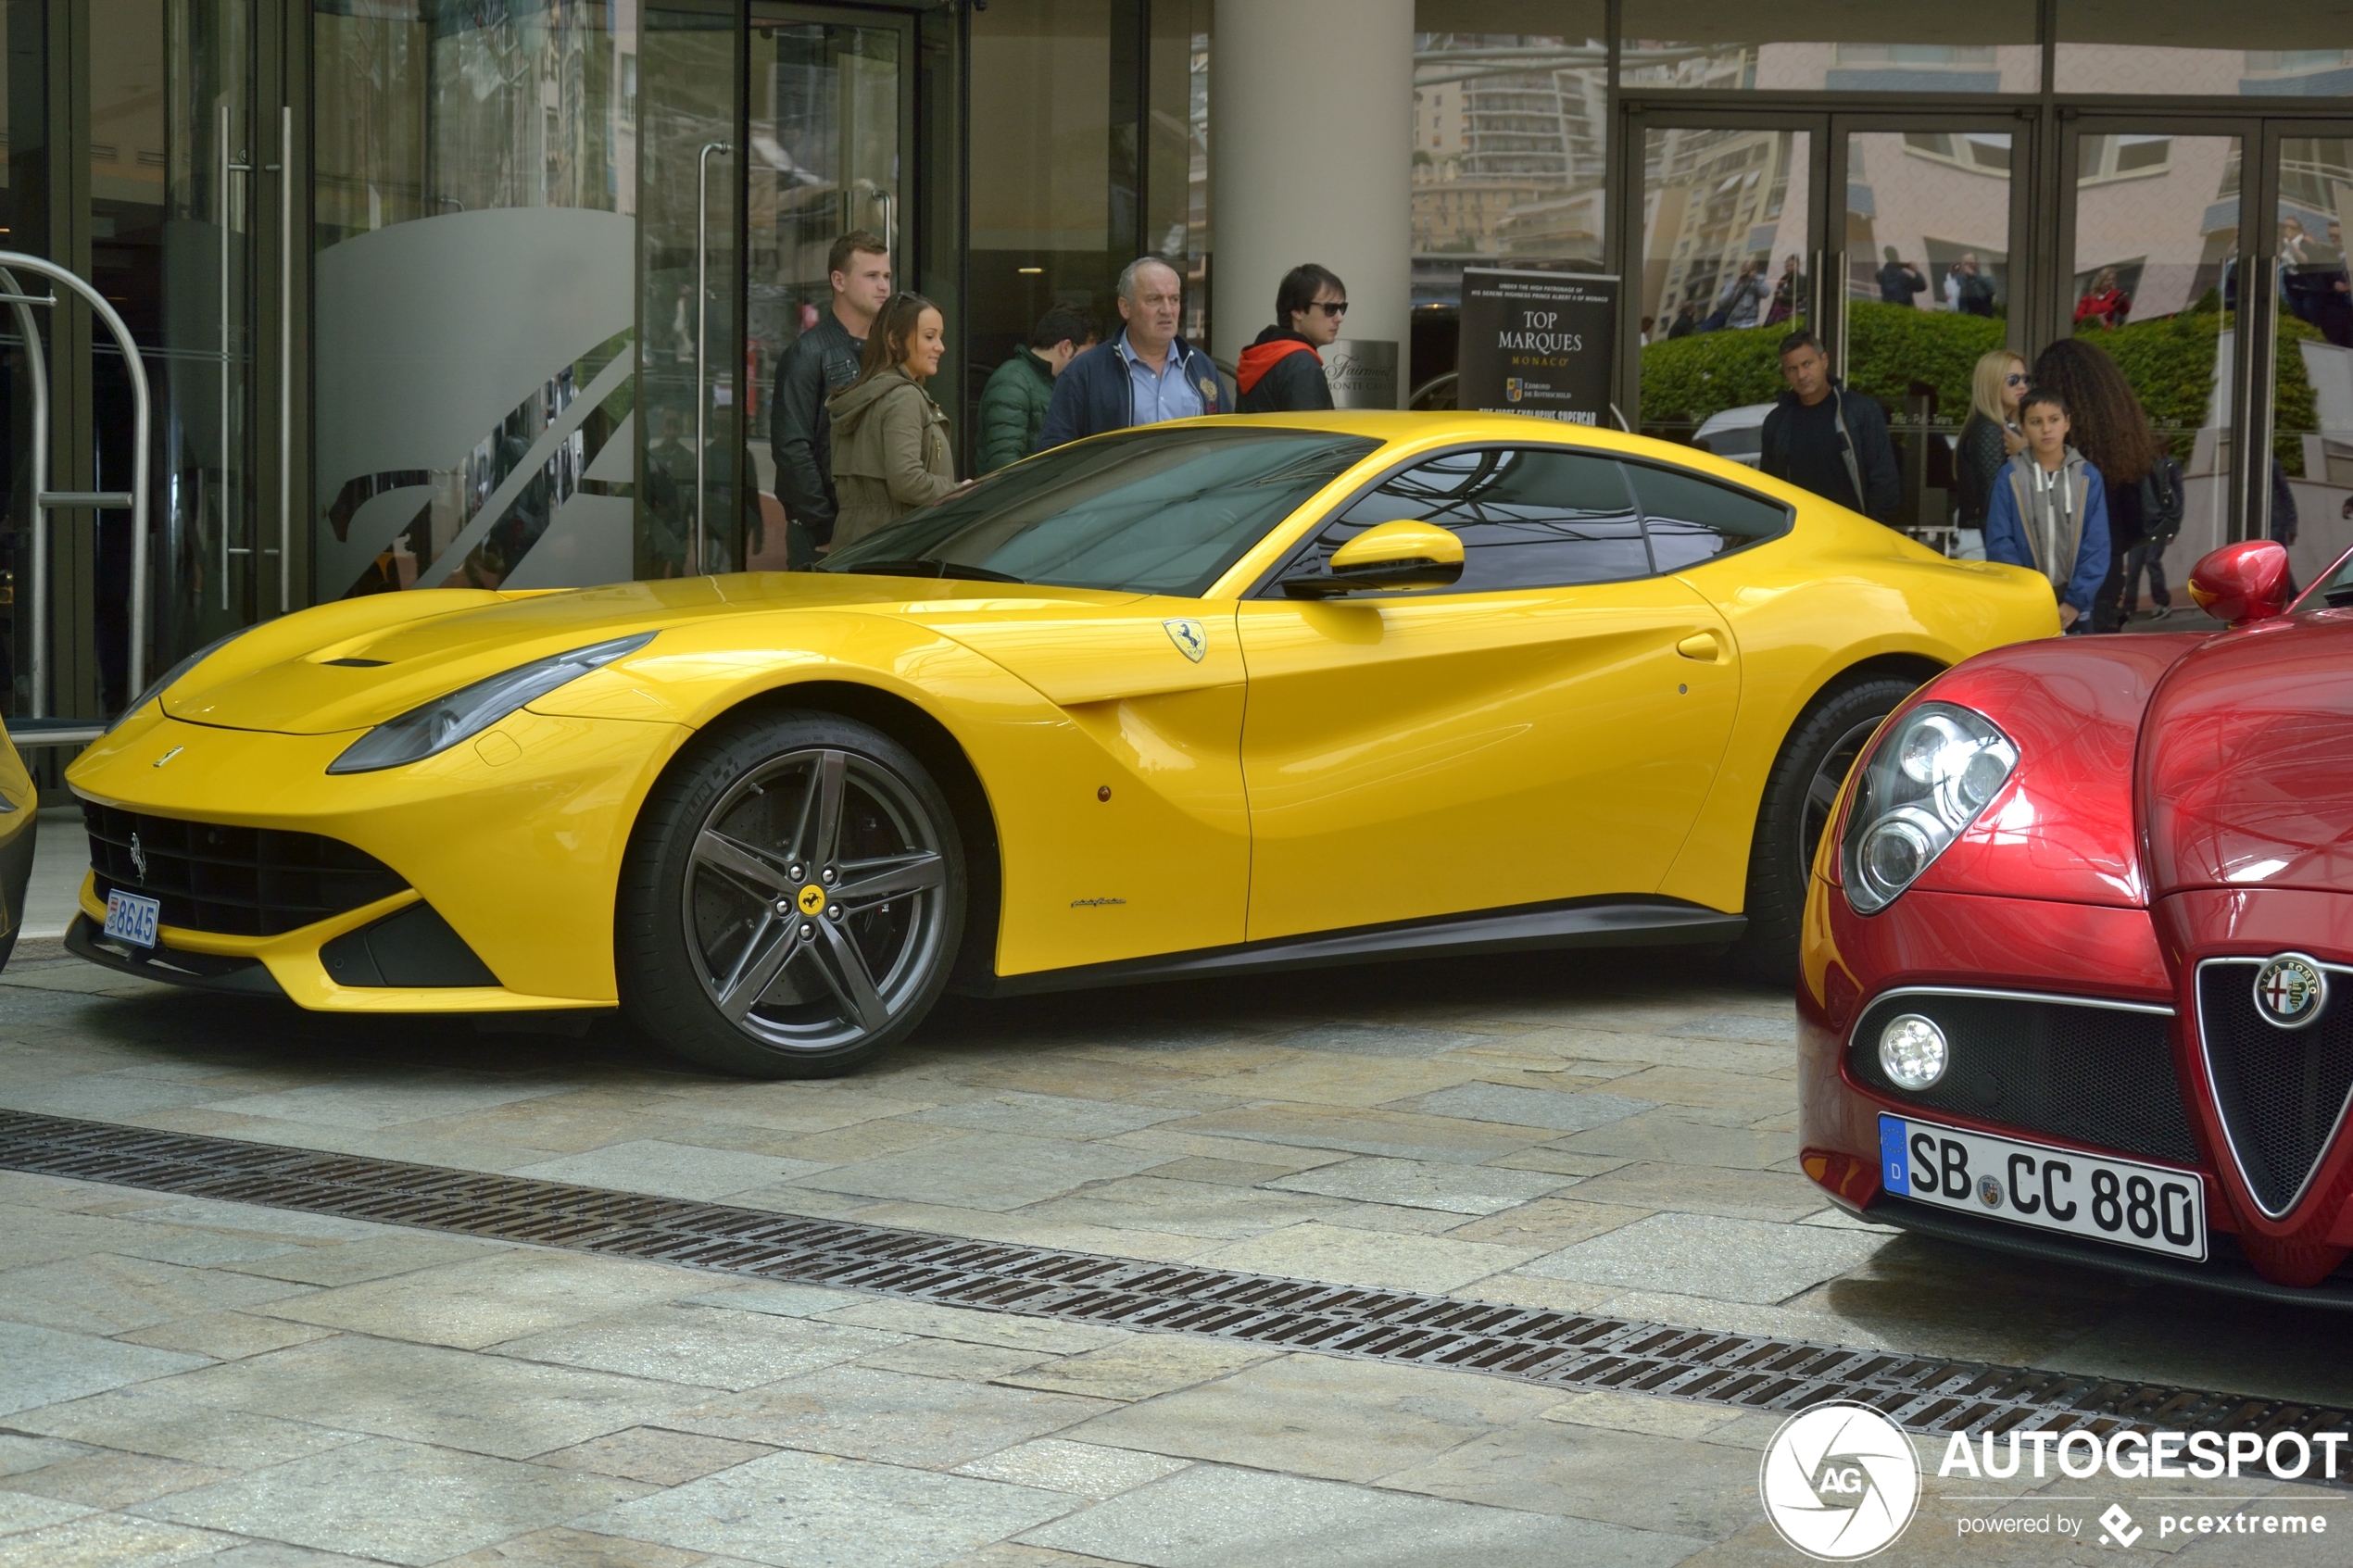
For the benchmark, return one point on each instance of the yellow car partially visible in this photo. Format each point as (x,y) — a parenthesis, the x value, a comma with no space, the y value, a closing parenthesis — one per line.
(1200,698)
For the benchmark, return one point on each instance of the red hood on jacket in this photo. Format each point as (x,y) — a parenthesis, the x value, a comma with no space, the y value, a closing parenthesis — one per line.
(1261,357)
(2246,761)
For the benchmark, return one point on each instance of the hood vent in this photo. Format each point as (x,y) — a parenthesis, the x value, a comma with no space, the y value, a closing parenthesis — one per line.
(2281,1092)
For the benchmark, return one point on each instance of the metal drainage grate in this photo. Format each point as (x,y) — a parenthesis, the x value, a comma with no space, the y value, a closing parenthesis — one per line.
(1561,1349)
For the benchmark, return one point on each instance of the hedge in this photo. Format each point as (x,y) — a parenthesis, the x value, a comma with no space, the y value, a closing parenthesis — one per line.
(1689,378)
(2169,362)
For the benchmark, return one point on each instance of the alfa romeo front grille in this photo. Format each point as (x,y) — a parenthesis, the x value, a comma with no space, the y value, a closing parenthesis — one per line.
(238,882)
(2281,1092)
(2089,1072)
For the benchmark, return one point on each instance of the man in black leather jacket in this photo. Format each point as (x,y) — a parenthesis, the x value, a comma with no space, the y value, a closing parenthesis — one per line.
(819,363)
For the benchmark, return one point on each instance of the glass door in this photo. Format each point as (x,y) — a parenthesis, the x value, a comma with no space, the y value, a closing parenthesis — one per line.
(1889,237)
(2307,503)
(2150,270)
(175,154)
(1727,261)
(1924,285)
(831,111)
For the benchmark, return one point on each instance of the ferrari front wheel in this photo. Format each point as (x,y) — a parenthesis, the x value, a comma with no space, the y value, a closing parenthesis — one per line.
(1799,793)
(792,899)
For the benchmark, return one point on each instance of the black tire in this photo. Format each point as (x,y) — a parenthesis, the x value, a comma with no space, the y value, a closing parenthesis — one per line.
(1815,760)
(792,899)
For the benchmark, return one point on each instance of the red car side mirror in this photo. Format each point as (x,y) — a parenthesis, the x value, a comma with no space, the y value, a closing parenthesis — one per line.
(2244,581)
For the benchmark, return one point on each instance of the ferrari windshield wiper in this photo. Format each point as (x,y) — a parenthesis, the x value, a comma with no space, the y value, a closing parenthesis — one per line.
(929,569)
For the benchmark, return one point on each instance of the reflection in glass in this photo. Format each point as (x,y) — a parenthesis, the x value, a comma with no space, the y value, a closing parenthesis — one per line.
(473,215)
(2194,46)
(23,196)
(1928,289)
(1830,45)
(1511,144)
(1052,198)
(171,167)
(825,116)
(2154,279)
(2312,374)
(1725,237)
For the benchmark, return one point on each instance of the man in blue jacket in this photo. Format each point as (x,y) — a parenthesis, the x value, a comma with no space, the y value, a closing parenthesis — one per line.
(1143,375)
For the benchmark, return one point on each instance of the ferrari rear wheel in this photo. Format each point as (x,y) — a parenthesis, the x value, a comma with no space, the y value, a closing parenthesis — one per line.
(793,898)
(1799,795)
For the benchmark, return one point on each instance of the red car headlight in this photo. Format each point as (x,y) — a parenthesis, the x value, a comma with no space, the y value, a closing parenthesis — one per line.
(1925,780)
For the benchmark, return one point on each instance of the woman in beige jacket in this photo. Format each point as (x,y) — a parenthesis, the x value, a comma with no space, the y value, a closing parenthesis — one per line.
(890,440)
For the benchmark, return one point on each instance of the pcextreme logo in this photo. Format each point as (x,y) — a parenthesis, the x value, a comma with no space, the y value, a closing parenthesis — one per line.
(1839,1480)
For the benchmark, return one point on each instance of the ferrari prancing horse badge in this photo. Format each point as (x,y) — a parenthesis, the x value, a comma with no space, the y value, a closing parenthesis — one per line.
(1190,640)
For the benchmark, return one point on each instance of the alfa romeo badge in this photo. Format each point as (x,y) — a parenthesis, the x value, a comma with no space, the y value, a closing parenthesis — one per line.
(2290,991)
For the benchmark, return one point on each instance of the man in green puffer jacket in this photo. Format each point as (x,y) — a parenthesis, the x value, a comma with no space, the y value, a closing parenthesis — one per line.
(1012,406)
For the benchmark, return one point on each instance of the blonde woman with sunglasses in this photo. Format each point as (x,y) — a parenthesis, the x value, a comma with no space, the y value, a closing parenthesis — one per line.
(1988,440)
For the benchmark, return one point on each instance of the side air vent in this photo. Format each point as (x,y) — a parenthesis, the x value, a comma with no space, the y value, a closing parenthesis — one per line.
(411,946)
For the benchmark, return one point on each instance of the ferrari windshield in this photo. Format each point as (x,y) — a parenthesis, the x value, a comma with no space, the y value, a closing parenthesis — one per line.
(1161,510)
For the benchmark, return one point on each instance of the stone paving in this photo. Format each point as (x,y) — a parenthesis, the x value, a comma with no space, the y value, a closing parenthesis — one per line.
(195,1381)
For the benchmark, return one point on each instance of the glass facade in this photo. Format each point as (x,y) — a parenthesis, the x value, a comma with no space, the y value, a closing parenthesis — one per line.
(495,293)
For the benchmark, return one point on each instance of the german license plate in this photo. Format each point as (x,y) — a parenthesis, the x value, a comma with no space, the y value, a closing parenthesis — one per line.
(2149,1207)
(132,917)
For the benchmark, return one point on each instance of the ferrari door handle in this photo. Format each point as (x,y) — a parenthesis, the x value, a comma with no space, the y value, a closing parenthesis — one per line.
(1700,646)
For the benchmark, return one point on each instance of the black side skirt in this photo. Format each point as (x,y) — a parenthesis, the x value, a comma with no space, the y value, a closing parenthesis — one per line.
(1580,922)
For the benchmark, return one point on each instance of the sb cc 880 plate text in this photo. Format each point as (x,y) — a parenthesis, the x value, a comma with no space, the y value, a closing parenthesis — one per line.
(2150,1206)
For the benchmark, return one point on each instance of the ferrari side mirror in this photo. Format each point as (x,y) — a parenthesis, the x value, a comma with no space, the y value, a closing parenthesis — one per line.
(2244,582)
(1392,556)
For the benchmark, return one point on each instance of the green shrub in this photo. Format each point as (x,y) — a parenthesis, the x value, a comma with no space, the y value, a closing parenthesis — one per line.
(1689,378)
(2169,362)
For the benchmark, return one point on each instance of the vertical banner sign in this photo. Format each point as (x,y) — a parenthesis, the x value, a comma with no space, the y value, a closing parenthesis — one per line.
(1537,343)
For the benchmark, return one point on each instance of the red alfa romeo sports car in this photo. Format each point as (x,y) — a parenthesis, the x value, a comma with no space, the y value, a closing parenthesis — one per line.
(2078,964)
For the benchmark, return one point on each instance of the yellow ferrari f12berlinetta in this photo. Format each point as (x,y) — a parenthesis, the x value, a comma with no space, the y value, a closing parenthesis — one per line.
(1191,699)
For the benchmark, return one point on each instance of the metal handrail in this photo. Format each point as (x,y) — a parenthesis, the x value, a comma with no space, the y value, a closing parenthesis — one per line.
(45,500)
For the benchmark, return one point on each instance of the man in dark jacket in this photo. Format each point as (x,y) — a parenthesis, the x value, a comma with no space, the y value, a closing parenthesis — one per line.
(1013,406)
(819,363)
(1824,438)
(1899,281)
(1145,374)
(1283,373)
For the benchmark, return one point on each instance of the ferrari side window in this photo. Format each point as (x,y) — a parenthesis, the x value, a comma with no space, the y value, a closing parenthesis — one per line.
(1690,518)
(1529,517)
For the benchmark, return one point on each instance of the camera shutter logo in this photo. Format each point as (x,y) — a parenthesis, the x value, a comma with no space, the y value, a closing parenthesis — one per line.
(1839,1480)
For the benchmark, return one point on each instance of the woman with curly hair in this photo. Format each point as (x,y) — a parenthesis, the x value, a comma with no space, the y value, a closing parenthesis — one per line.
(2112,432)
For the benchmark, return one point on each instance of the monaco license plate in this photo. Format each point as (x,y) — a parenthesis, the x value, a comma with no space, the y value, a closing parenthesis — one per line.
(132,917)
(2150,1206)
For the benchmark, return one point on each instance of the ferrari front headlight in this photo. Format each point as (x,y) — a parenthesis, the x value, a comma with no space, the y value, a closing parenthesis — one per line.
(442,722)
(1923,783)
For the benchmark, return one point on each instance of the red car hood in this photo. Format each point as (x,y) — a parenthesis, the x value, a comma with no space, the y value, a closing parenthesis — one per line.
(2246,767)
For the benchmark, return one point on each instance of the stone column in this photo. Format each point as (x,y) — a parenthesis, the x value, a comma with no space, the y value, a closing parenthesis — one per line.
(1311,131)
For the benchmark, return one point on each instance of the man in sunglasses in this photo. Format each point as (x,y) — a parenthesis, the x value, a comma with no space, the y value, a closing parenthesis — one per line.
(1283,373)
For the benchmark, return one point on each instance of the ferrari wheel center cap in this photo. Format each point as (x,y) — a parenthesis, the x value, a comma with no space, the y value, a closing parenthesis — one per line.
(2290,991)
(812,900)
